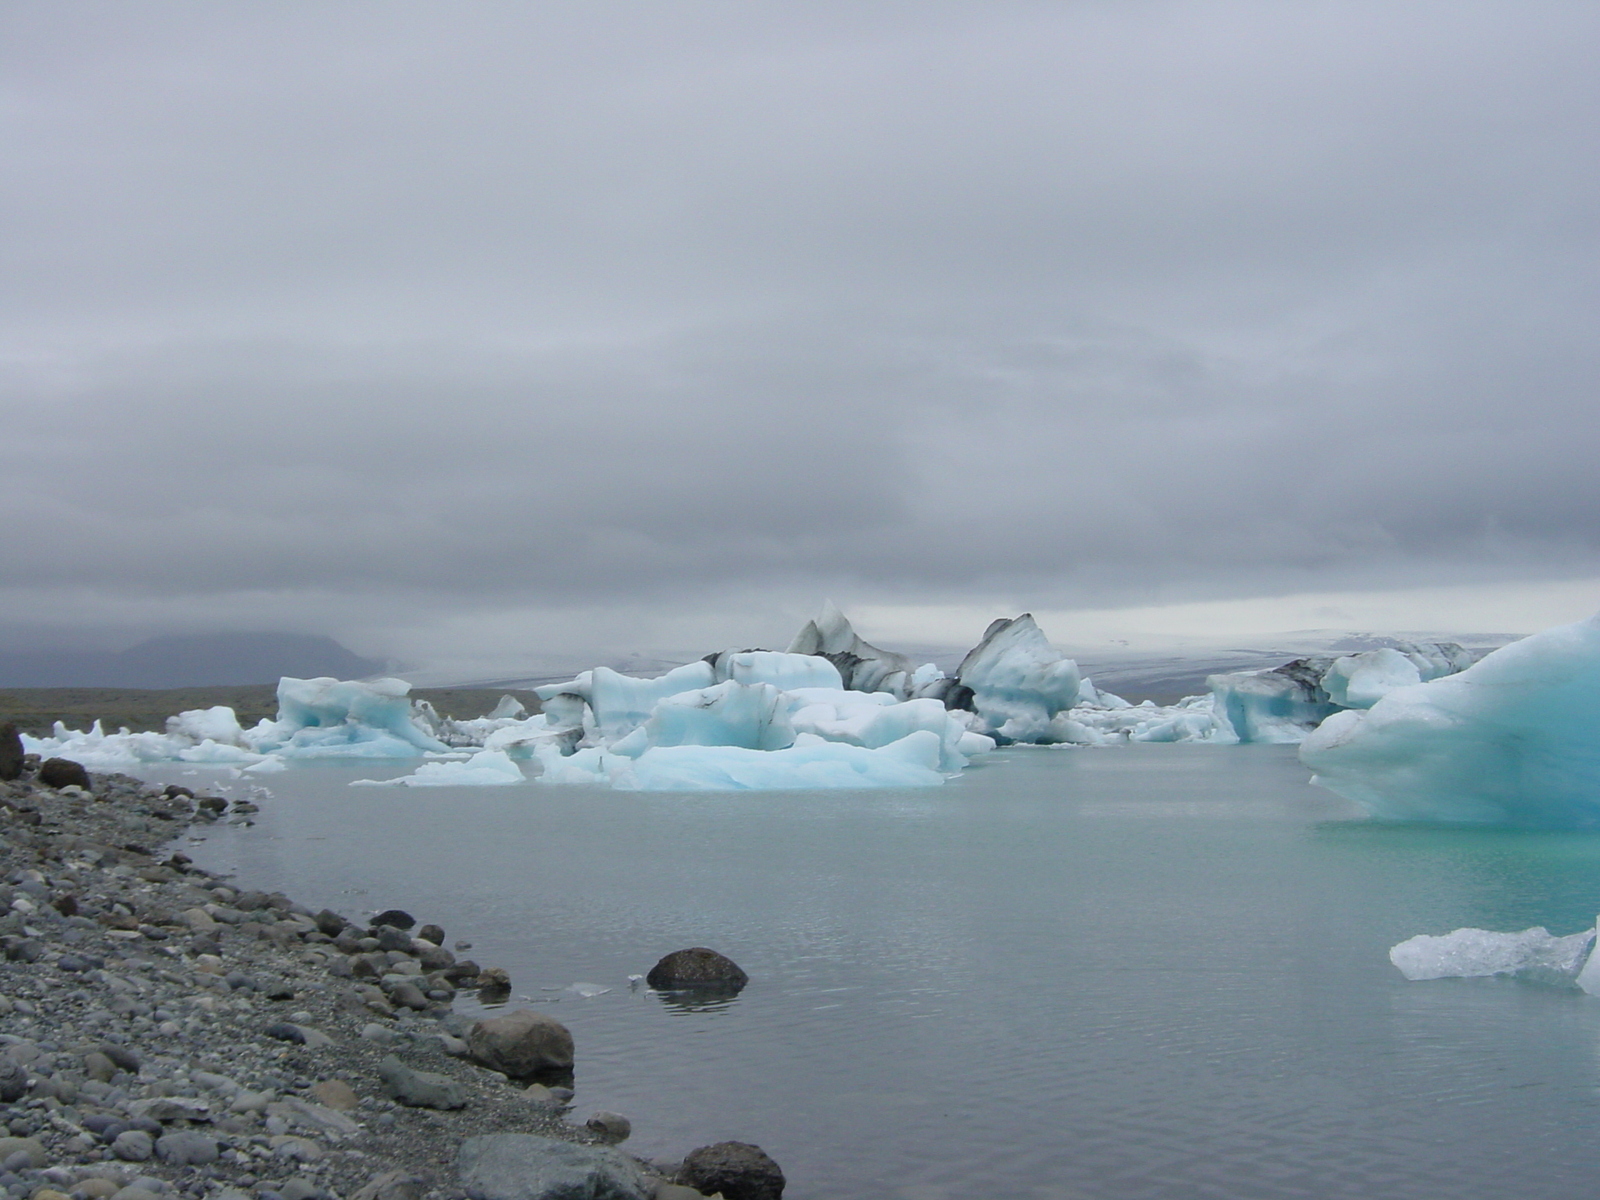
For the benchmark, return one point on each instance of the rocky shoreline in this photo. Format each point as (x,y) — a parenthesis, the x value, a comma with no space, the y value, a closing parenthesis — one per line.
(165,1035)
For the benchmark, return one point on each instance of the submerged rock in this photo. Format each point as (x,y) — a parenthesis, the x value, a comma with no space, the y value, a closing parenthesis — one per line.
(739,1170)
(697,968)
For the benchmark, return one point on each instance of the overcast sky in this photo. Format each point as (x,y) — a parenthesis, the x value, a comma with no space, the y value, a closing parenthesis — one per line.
(459,329)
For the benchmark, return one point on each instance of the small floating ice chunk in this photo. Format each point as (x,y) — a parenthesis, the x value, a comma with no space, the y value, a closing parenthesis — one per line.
(1472,953)
(588,990)
(487,768)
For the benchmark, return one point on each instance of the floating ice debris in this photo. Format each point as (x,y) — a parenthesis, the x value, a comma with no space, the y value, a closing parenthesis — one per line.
(485,768)
(588,990)
(1470,953)
(1511,740)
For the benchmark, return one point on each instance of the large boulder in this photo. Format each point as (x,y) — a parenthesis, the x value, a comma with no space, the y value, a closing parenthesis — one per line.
(523,1166)
(522,1044)
(63,772)
(696,969)
(738,1170)
(10,752)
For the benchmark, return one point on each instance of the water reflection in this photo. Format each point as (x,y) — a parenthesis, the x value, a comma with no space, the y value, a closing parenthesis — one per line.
(700,1000)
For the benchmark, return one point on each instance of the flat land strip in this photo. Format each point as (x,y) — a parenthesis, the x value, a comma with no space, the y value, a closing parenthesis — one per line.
(35,710)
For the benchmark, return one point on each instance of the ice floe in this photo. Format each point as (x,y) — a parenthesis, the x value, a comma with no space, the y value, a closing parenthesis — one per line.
(1533,954)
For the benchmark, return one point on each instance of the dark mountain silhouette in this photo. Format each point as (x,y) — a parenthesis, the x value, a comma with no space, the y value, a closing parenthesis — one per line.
(197,660)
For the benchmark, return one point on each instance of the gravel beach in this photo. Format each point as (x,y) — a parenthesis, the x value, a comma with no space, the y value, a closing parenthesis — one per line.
(166,1035)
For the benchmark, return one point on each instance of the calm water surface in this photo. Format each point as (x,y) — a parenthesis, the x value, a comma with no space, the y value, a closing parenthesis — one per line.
(1150,971)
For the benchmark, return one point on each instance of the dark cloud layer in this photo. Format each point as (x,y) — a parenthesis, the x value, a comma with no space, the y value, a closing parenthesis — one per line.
(421,310)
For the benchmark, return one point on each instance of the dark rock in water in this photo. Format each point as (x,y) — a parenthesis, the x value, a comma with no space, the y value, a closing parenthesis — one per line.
(63,772)
(738,1170)
(493,981)
(397,917)
(524,1166)
(522,1044)
(696,968)
(11,752)
(465,969)
(614,1127)
(420,1089)
(432,933)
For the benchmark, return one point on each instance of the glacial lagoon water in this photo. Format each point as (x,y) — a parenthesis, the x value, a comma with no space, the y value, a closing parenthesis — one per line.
(1149,971)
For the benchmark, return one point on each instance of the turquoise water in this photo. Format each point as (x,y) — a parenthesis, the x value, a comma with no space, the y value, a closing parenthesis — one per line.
(1149,971)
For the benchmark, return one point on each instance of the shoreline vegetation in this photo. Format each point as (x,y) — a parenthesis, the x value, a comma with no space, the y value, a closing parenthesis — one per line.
(170,1034)
(145,710)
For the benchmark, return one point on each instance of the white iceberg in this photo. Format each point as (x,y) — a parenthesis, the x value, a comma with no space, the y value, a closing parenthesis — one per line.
(740,719)
(1511,740)
(332,718)
(208,736)
(1473,953)
(1019,682)
(317,718)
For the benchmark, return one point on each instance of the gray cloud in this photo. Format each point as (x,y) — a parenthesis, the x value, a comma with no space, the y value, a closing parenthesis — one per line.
(412,311)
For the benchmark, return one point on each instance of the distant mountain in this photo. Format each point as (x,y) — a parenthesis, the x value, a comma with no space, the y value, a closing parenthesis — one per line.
(198,660)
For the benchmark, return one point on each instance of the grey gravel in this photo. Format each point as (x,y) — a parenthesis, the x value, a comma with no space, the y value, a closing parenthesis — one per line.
(164,1029)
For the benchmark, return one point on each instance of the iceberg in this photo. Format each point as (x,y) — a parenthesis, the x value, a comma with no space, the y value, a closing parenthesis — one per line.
(740,719)
(1534,954)
(753,716)
(1284,704)
(862,666)
(98,750)
(332,718)
(317,718)
(1018,681)
(1511,740)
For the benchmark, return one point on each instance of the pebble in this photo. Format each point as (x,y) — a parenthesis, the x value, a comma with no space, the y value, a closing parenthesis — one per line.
(133,1145)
